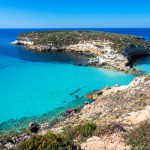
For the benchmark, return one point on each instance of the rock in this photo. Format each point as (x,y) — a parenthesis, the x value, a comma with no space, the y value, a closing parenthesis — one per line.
(108,87)
(86,103)
(9,145)
(7,140)
(117,85)
(99,92)
(138,116)
(69,112)
(108,142)
(33,127)
(26,137)
(44,126)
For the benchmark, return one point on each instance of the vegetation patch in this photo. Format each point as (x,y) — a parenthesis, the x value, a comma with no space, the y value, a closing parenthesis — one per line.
(48,142)
(80,132)
(139,137)
(88,129)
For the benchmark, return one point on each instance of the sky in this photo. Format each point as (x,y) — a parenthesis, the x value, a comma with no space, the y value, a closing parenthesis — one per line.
(74,13)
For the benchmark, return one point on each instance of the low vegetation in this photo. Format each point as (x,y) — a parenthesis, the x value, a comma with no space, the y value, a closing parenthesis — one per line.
(139,137)
(88,129)
(80,132)
(66,37)
(48,142)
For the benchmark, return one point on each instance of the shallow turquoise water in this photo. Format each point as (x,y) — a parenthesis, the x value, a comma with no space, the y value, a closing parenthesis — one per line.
(31,88)
(32,85)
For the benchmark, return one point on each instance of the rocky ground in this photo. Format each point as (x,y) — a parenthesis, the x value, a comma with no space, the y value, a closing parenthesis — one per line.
(129,105)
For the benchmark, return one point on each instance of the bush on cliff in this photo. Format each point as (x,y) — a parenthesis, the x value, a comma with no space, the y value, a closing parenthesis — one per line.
(48,142)
(82,132)
(139,138)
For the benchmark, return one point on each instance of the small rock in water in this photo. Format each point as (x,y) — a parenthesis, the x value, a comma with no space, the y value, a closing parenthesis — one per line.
(86,103)
(33,127)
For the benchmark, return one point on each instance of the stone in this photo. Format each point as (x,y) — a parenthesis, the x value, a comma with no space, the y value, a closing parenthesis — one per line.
(44,126)
(99,92)
(9,145)
(33,127)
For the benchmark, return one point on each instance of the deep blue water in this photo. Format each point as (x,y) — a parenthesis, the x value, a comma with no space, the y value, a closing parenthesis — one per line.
(37,86)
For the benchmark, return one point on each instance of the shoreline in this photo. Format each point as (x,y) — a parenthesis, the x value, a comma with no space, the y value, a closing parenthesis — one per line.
(104,94)
(101,56)
(115,104)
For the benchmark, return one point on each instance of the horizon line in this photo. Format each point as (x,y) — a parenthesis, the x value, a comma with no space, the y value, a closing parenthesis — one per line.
(78,28)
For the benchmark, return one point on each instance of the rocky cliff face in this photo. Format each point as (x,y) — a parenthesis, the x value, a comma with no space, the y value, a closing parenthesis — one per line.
(110,50)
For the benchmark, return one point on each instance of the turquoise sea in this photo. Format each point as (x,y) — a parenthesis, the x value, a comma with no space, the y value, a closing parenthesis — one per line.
(38,86)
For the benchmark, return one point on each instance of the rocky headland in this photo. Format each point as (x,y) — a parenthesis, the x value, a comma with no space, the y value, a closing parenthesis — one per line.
(118,119)
(112,51)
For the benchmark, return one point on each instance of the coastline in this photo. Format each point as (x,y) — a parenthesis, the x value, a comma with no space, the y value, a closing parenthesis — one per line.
(102,55)
(115,104)
(88,106)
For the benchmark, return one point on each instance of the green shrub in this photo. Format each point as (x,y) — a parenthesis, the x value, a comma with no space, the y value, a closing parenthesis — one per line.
(139,138)
(87,129)
(48,142)
(83,131)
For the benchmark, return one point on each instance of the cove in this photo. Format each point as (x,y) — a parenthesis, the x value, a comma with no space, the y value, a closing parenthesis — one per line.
(39,86)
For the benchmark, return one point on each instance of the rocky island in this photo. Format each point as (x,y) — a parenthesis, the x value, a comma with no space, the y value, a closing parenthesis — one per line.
(112,51)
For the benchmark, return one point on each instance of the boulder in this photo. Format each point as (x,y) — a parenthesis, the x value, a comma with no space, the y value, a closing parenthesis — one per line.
(33,127)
